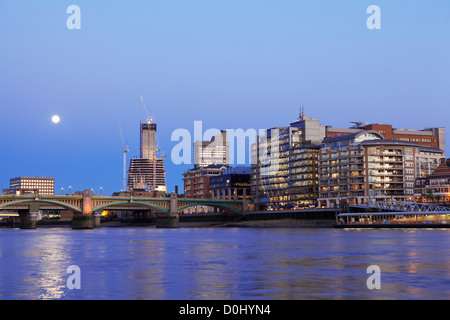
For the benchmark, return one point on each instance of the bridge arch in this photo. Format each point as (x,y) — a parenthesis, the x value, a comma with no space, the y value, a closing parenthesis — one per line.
(153,206)
(43,201)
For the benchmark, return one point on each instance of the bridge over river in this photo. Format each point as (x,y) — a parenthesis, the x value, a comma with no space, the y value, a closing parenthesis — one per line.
(87,207)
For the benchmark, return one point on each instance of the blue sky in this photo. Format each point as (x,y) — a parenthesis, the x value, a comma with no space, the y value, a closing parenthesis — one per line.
(231,64)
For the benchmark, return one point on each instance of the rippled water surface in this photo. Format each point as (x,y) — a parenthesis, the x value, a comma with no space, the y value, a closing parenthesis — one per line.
(224,263)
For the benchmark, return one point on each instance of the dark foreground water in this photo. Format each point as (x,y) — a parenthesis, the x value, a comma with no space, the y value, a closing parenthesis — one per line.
(224,263)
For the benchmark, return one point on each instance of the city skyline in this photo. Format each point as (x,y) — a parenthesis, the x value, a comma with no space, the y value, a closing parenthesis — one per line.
(231,65)
(249,152)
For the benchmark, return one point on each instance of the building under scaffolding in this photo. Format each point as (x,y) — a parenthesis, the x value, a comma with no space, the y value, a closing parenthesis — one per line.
(147,172)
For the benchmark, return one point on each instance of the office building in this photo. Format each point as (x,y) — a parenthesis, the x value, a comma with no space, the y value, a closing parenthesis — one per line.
(232,184)
(284,165)
(216,151)
(303,176)
(32,185)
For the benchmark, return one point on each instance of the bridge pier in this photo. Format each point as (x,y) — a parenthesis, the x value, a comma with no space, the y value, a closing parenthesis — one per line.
(28,219)
(84,220)
(97,219)
(171,219)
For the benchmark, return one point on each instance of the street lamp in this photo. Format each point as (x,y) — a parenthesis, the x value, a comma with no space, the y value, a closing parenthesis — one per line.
(101,190)
(70,189)
(62,190)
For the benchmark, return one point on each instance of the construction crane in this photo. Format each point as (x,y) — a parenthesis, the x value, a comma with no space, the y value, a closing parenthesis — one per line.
(149,119)
(125,151)
(158,150)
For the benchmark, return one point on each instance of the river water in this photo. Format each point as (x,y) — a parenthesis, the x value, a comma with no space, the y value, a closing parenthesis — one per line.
(224,263)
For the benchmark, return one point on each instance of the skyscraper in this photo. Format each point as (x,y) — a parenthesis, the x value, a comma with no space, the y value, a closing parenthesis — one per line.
(147,172)
(148,140)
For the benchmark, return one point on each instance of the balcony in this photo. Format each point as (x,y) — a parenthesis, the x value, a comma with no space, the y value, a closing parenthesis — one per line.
(393,159)
(357,174)
(388,173)
(386,167)
(387,153)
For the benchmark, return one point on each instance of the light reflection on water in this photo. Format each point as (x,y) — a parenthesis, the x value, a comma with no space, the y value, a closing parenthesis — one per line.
(224,263)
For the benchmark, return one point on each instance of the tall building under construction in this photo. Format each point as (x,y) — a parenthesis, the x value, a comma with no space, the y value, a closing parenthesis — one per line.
(147,172)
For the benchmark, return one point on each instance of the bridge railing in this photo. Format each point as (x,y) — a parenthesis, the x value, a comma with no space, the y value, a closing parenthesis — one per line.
(406,206)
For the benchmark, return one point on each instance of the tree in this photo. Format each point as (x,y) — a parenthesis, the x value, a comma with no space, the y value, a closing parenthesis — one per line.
(430,195)
(438,198)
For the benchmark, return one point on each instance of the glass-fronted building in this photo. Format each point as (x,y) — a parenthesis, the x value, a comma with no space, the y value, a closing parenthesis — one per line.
(284,165)
(232,184)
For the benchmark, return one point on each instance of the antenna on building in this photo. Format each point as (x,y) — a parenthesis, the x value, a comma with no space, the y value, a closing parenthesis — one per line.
(302,112)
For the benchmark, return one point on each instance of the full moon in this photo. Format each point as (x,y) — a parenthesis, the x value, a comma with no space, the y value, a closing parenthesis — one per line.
(56,119)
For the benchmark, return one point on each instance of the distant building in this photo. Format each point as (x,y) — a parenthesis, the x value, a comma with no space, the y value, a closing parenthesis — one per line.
(140,193)
(435,188)
(211,158)
(147,172)
(216,151)
(25,185)
(232,184)
(197,185)
(196,180)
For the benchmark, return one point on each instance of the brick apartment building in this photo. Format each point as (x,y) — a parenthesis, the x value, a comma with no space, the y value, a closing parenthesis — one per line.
(431,137)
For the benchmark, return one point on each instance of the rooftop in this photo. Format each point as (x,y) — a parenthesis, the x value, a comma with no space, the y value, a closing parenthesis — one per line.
(349,136)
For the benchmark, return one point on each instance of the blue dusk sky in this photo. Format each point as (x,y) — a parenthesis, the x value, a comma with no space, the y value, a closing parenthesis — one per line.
(231,64)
